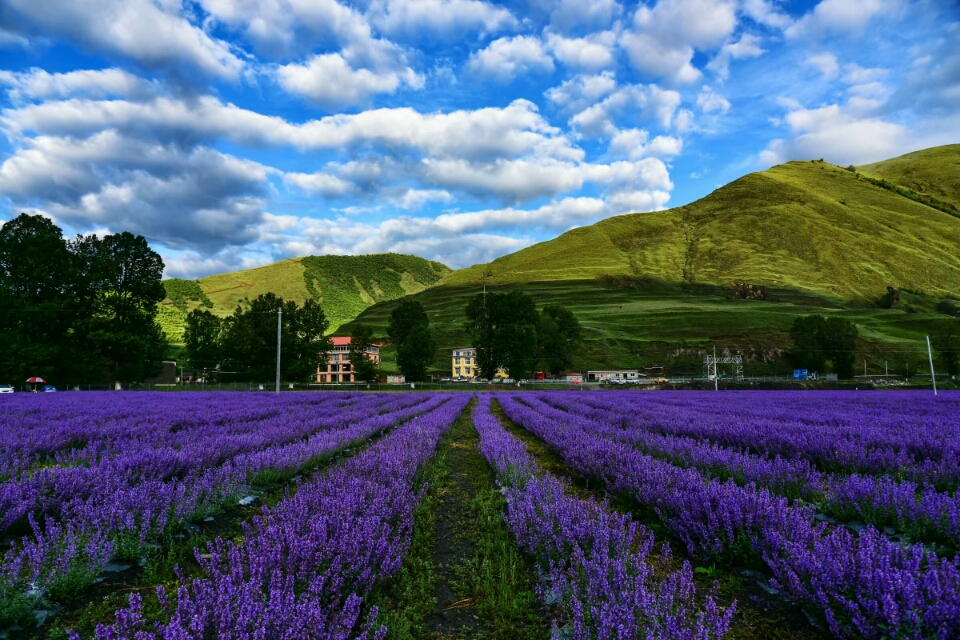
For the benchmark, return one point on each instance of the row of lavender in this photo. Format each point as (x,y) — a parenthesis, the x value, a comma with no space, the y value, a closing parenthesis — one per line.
(918,510)
(866,585)
(597,564)
(905,434)
(125,502)
(305,565)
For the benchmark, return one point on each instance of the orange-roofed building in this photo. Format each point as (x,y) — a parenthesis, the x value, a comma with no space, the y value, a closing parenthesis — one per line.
(339,368)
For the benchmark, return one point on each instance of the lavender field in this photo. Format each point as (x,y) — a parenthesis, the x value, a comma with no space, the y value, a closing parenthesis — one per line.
(618,514)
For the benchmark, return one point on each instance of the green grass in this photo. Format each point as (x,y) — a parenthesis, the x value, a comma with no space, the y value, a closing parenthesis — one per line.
(464,576)
(932,172)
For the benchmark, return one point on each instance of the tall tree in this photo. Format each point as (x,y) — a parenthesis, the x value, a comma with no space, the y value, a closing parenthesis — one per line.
(808,352)
(201,338)
(946,342)
(364,368)
(817,339)
(559,335)
(127,273)
(409,331)
(37,309)
(503,328)
(249,340)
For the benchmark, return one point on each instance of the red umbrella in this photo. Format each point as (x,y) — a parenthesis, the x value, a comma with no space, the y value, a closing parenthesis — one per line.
(36,380)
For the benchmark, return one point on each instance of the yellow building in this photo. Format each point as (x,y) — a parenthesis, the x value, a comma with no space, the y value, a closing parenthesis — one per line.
(464,362)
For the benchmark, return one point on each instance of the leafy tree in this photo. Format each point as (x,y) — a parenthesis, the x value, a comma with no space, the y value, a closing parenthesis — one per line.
(946,342)
(126,273)
(36,310)
(840,341)
(83,309)
(807,334)
(817,339)
(409,330)
(249,340)
(201,337)
(503,328)
(559,335)
(364,368)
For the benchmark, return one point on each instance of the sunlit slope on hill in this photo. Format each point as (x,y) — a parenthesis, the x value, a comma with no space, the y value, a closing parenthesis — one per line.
(934,172)
(344,285)
(808,226)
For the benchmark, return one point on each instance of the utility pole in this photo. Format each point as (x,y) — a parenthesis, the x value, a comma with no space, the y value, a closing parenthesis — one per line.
(716,383)
(864,367)
(886,368)
(279,325)
(933,376)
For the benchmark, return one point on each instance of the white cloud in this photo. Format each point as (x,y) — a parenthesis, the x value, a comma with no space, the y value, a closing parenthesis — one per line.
(39,84)
(579,92)
(283,28)
(591,53)
(840,16)
(443,19)
(664,38)
(855,74)
(329,80)
(825,63)
(507,58)
(197,198)
(479,134)
(599,120)
(837,136)
(414,199)
(319,183)
(583,17)
(747,47)
(766,13)
(155,34)
(634,144)
(709,101)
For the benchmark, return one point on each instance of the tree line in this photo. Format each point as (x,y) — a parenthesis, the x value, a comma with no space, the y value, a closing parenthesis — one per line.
(77,309)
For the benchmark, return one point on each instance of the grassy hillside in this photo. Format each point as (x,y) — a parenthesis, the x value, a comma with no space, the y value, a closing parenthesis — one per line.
(660,287)
(933,172)
(808,226)
(344,285)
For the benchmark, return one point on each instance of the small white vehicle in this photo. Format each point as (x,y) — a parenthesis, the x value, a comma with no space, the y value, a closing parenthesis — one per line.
(6,388)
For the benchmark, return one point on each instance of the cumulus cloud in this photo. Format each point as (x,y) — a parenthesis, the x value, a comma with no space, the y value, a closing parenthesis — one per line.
(479,134)
(38,84)
(319,183)
(832,133)
(506,58)
(282,28)
(443,19)
(635,144)
(329,80)
(766,13)
(579,92)
(709,101)
(649,101)
(840,16)
(197,198)
(664,38)
(591,53)
(583,17)
(747,47)
(825,63)
(155,34)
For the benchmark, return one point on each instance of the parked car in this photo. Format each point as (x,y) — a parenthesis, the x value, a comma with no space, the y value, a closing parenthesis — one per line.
(49,389)
(6,388)
(659,380)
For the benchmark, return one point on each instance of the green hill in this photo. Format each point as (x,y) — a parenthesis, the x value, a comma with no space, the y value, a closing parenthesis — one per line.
(344,285)
(797,238)
(932,172)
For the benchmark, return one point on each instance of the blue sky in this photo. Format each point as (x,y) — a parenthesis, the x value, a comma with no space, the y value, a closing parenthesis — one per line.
(233,133)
